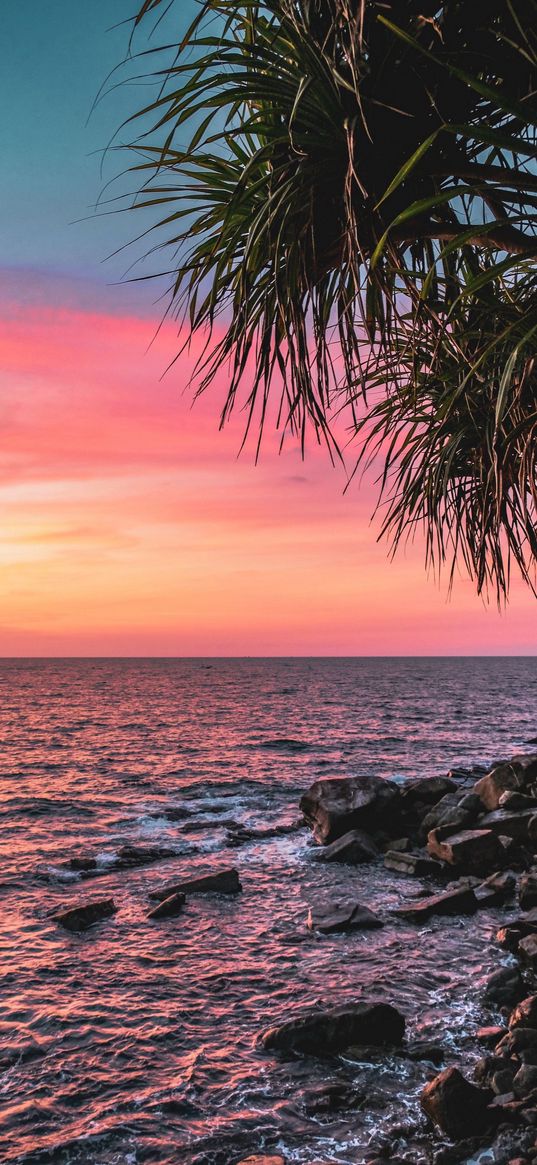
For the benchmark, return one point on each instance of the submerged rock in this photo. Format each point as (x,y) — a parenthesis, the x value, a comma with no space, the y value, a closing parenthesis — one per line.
(221,882)
(353,849)
(458,1108)
(334,807)
(85,914)
(325,1033)
(461,901)
(169,907)
(334,917)
(130,856)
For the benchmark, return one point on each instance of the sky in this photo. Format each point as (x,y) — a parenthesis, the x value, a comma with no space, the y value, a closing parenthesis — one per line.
(130,525)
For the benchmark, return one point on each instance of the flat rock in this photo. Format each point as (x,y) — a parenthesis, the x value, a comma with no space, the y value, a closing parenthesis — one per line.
(502,822)
(221,882)
(335,917)
(169,907)
(455,1106)
(335,806)
(322,1033)
(472,850)
(453,902)
(85,914)
(353,849)
(130,856)
(415,864)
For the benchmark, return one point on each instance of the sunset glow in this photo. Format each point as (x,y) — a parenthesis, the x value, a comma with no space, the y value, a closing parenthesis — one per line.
(132,527)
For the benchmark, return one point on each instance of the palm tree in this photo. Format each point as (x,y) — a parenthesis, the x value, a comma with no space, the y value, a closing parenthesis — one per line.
(346,190)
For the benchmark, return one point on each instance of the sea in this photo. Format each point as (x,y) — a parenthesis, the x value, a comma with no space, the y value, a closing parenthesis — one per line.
(138,1041)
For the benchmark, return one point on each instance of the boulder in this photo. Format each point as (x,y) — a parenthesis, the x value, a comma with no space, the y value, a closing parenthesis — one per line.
(334,807)
(221,882)
(85,914)
(426,790)
(503,778)
(169,907)
(505,987)
(472,850)
(525,1013)
(335,917)
(461,901)
(527,950)
(448,811)
(527,891)
(326,1033)
(525,1080)
(455,1106)
(352,849)
(415,864)
(503,822)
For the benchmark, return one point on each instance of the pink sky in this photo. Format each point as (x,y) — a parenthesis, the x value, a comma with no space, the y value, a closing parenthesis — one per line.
(130,526)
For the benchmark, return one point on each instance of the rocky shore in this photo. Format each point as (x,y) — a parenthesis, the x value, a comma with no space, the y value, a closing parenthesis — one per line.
(475,842)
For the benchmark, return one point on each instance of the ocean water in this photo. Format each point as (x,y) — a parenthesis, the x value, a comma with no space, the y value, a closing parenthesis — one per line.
(137,1041)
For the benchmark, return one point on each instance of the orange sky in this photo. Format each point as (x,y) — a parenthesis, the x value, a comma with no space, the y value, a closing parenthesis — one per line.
(130,526)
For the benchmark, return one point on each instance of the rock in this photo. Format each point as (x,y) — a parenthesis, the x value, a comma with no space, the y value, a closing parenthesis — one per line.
(455,1106)
(472,850)
(527,891)
(495,890)
(525,1013)
(502,1081)
(325,1033)
(335,917)
(334,807)
(83,864)
(490,1035)
(448,811)
(261,1159)
(415,864)
(352,849)
(508,824)
(525,1080)
(130,856)
(85,914)
(505,987)
(515,801)
(169,907)
(502,778)
(427,790)
(527,949)
(399,845)
(454,902)
(222,882)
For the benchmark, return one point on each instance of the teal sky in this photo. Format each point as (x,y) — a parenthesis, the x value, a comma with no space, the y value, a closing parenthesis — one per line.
(55,57)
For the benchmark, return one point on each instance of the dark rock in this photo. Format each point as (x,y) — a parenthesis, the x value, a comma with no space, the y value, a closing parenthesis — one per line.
(334,807)
(425,1050)
(527,949)
(525,1080)
(457,1107)
(496,889)
(501,821)
(490,1035)
(473,850)
(169,907)
(502,1081)
(455,902)
(329,1097)
(85,914)
(525,1014)
(335,917)
(502,778)
(131,856)
(516,801)
(324,1033)
(352,849)
(448,811)
(517,1040)
(505,987)
(427,790)
(418,865)
(221,882)
(527,891)
(83,864)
